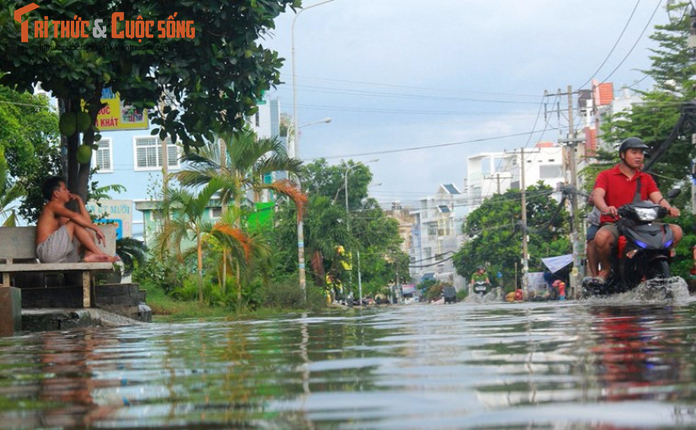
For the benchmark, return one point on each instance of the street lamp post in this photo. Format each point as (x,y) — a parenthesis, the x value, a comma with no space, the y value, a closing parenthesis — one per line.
(300,225)
(345,186)
(292,151)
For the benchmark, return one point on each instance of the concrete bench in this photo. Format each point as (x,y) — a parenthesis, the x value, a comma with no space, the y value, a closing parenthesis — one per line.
(18,255)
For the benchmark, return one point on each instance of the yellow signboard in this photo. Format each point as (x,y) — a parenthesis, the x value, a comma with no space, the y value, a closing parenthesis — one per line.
(117,116)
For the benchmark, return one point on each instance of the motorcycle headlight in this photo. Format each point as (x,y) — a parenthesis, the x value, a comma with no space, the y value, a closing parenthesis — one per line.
(646,214)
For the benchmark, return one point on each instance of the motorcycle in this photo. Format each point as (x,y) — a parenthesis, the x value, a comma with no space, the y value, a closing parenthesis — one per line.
(642,252)
(480,288)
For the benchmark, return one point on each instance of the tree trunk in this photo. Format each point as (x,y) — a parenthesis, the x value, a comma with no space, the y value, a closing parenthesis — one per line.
(78,173)
(239,287)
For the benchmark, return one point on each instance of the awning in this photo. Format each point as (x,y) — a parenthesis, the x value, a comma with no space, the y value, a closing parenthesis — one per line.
(557,263)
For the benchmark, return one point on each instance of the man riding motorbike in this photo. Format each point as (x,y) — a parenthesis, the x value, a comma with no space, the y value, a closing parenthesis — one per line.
(618,186)
(479,281)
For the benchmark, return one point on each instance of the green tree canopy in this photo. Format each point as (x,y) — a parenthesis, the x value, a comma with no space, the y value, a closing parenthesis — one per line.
(30,142)
(674,72)
(326,228)
(204,82)
(495,233)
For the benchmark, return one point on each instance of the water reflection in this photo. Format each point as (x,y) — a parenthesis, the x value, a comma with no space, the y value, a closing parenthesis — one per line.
(469,365)
(636,358)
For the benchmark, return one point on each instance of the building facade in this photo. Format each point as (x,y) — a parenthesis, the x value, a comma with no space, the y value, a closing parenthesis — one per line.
(134,159)
(436,235)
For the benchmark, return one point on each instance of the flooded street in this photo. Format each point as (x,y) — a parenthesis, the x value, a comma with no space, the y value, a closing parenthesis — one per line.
(559,365)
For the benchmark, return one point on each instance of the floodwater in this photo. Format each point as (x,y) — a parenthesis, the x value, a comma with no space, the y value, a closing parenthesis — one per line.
(622,363)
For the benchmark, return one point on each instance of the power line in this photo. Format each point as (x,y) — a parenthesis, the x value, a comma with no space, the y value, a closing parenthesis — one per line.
(450,90)
(356,92)
(408,111)
(636,43)
(22,104)
(613,47)
(417,148)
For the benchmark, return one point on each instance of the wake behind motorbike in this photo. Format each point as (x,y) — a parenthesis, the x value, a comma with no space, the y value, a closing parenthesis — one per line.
(643,249)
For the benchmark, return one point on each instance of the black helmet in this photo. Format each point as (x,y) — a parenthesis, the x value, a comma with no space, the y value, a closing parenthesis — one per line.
(631,143)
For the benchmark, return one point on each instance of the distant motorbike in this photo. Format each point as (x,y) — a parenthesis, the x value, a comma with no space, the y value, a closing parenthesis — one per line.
(480,288)
(643,250)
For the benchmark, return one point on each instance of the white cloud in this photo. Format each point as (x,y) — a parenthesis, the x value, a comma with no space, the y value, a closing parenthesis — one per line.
(431,59)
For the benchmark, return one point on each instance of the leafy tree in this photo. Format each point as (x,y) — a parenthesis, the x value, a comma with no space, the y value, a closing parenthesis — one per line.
(321,179)
(326,228)
(9,193)
(187,225)
(377,237)
(29,136)
(236,169)
(132,252)
(673,71)
(495,233)
(241,168)
(192,86)
(247,252)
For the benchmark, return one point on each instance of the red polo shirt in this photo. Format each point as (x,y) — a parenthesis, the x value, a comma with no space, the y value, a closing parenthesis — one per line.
(619,189)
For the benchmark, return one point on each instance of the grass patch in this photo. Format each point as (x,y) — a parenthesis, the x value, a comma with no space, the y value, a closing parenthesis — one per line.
(281,299)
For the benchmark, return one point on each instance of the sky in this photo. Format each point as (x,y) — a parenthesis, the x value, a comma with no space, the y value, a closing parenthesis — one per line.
(452,77)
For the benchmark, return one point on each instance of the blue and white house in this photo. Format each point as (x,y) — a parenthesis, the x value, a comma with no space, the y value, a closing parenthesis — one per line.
(135,158)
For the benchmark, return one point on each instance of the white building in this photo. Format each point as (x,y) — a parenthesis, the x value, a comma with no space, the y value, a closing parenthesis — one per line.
(437,235)
(492,173)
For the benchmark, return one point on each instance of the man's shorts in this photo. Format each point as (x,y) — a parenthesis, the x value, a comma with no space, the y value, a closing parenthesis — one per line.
(58,248)
(591,232)
(612,228)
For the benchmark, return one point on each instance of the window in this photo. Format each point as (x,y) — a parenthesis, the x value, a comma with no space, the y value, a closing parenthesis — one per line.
(550,171)
(148,153)
(103,161)
(432,229)
(215,213)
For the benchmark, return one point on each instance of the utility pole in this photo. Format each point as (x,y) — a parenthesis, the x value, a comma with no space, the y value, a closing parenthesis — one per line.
(570,145)
(525,260)
(497,180)
(575,278)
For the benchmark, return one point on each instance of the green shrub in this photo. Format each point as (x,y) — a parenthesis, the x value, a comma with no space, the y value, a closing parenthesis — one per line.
(167,273)
(434,292)
(285,293)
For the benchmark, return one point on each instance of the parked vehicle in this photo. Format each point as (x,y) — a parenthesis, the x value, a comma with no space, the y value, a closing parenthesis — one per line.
(643,251)
(450,294)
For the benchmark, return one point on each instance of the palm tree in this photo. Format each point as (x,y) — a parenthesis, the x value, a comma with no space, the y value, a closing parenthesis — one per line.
(131,251)
(8,193)
(240,165)
(246,252)
(237,167)
(187,225)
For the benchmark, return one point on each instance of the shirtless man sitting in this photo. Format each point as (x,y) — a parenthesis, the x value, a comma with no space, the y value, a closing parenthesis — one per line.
(58,226)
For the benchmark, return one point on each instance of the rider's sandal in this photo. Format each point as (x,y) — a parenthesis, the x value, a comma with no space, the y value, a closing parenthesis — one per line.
(599,280)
